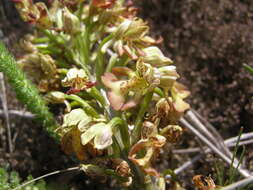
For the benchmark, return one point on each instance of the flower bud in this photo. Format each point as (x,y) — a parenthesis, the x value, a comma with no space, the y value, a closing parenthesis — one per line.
(155,57)
(121,167)
(122,29)
(44,21)
(27,45)
(137,29)
(27,11)
(71,3)
(148,129)
(172,133)
(168,76)
(101,133)
(131,29)
(47,64)
(77,117)
(94,171)
(55,97)
(71,23)
(103,3)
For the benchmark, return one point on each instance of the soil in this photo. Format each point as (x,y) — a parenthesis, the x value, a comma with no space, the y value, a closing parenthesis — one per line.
(209,42)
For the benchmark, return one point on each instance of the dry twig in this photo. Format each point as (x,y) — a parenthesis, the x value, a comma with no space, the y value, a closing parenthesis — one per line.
(15,113)
(185,123)
(6,113)
(231,142)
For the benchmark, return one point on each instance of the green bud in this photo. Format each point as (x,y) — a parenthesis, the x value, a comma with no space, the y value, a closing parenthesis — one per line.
(168,75)
(55,97)
(155,57)
(71,23)
(77,117)
(94,171)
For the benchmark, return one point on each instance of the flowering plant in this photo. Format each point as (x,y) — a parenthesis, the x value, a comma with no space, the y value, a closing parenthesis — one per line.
(119,93)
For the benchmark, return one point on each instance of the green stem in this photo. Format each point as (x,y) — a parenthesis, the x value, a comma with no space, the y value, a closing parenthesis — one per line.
(123,131)
(159,91)
(139,177)
(100,58)
(86,39)
(41,40)
(54,38)
(112,62)
(115,147)
(87,108)
(231,168)
(148,183)
(76,59)
(138,122)
(94,92)
(26,92)
(80,11)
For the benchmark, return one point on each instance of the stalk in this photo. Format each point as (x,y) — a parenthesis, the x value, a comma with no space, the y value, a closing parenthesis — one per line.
(26,92)
(90,110)
(138,122)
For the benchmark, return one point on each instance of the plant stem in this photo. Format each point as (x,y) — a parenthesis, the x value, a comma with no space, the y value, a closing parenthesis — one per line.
(138,122)
(90,110)
(100,58)
(123,131)
(231,168)
(26,92)
(80,11)
(97,95)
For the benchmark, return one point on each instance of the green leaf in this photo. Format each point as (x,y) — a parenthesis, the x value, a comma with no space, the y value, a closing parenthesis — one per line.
(248,68)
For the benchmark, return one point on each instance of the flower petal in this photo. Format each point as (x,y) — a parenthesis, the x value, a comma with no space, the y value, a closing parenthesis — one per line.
(104,138)
(89,134)
(155,57)
(116,100)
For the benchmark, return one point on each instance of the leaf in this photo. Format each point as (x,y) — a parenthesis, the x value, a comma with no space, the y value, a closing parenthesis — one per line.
(248,68)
